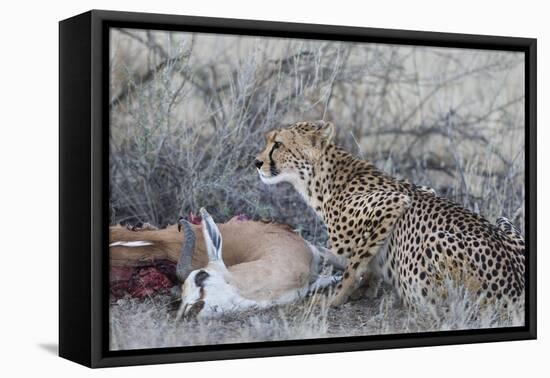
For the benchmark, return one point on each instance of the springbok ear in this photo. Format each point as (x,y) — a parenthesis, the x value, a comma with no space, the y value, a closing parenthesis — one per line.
(212,237)
(325,131)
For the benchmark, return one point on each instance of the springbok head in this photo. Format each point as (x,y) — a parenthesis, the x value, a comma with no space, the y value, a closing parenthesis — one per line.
(208,292)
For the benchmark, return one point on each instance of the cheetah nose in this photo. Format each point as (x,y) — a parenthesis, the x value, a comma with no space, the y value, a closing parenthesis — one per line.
(258,163)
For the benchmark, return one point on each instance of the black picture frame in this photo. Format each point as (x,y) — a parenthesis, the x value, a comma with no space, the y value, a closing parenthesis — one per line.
(83,180)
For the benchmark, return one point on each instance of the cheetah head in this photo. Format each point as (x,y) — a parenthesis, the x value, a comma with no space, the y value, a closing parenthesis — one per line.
(290,152)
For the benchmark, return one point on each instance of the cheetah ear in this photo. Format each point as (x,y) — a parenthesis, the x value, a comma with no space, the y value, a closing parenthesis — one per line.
(326,131)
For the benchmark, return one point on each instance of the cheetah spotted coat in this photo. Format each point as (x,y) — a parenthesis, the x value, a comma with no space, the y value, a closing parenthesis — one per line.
(389,228)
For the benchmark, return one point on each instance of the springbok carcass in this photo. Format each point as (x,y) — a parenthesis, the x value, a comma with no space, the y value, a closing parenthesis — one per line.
(259,265)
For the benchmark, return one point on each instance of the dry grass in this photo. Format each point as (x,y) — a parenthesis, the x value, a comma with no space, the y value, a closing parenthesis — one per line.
(151,323)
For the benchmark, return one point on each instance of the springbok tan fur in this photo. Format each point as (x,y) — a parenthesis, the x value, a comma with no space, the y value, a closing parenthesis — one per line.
(263,263)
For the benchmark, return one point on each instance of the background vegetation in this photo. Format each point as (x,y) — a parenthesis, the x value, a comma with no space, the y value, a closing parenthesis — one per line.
(189,112)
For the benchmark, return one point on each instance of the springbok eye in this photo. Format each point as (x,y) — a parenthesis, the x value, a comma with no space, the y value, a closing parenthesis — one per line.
(200,277)
(277,144)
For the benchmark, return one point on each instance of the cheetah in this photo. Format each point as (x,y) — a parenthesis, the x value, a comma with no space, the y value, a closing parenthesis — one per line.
(384,227)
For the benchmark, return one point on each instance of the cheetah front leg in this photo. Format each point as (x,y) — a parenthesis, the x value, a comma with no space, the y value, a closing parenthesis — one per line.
(383,211)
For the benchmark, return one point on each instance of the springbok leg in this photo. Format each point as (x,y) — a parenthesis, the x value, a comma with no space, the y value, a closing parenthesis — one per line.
(324,281)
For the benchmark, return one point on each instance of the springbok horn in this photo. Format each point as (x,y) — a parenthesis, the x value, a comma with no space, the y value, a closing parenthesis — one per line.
(212,237)
(183,268)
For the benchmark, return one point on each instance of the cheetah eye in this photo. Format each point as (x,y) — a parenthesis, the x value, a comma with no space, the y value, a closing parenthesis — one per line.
(277,144)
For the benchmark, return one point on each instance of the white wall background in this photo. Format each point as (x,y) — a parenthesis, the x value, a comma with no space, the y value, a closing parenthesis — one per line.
(29,189)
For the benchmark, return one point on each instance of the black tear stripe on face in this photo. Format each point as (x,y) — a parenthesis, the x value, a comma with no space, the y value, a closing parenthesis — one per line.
(272,168)
(200,277)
